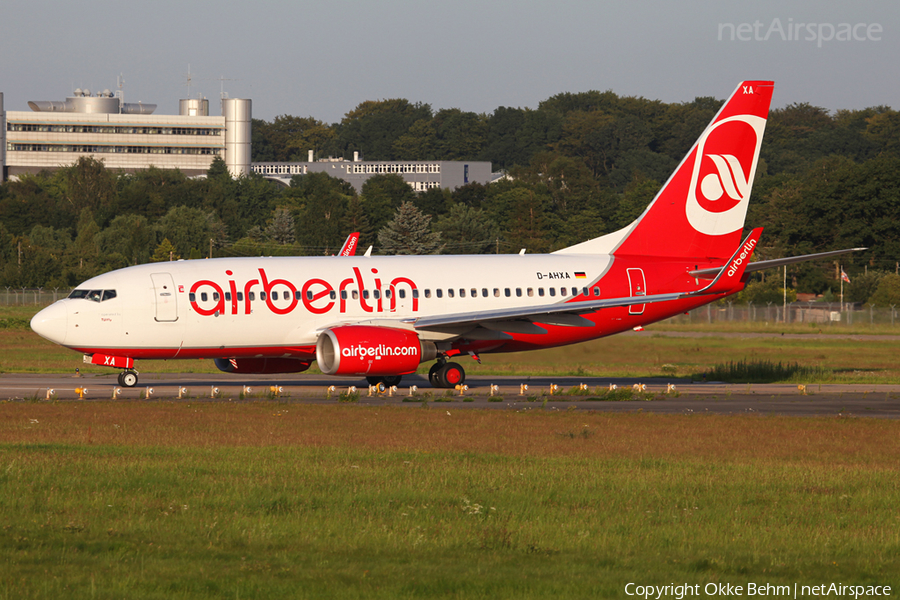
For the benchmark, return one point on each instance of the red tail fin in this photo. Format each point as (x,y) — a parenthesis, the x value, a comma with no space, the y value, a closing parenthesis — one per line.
(699,212)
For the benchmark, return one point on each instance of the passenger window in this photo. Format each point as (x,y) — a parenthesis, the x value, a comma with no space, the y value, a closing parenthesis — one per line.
(192,297)
(355,294)
(365,294)
(474,292)
(251,296)
(262,295)
(377,294)
(574,291)
(387,294)
(228,296)
(484,292)
(439,293)
(415,293)
(216,296)
(462,293)
(298,295)
(332,294)
(530,292)
(541,292)
(343,294)
(309,294)
(585,291)
(402,293)
(562,291)
(496,292)
(240,296)
(428,293)
(203,297)
(552,291)
(518,292)
(507,293)
(274,295)
(596,291)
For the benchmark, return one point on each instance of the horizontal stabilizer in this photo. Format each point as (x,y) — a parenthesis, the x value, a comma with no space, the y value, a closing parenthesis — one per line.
(775,262)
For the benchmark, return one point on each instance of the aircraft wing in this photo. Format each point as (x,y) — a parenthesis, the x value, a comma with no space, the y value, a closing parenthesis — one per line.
(548,313)
(775,262)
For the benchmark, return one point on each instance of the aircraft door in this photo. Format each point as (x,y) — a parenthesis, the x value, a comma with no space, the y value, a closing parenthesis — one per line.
(637,287)
(164,293)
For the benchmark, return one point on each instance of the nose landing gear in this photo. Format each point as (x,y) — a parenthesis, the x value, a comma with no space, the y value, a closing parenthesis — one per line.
(128,378)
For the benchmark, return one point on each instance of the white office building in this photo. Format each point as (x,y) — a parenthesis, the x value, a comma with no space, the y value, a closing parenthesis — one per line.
(127,137)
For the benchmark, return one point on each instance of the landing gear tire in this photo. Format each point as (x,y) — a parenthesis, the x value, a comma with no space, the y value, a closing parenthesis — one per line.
(128,379)
(447,375)
(374,380)
(452,375)
(432,374)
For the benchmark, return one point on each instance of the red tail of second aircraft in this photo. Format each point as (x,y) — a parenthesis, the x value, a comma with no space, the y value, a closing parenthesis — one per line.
(699,212)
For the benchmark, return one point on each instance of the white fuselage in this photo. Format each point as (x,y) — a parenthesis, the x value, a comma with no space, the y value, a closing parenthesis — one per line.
(257,306)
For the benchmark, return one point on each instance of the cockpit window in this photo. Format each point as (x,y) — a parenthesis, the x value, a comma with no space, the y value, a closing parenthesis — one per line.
(93,295)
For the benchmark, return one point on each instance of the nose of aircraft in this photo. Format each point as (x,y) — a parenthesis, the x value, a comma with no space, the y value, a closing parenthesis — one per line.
(52,322)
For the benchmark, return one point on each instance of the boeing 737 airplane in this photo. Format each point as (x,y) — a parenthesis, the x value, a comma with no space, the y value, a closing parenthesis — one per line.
(382,316)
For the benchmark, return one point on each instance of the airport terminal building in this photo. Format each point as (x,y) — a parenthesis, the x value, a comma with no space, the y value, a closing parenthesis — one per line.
(420,175)
(127,137)
(130,137)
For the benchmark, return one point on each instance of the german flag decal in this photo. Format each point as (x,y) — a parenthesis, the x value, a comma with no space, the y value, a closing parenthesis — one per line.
(580,275)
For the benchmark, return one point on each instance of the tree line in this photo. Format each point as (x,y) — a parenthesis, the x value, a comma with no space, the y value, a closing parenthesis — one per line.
(578,166)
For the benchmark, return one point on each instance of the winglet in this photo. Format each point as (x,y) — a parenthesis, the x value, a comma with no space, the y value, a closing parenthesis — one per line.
(349,247)
(730,276)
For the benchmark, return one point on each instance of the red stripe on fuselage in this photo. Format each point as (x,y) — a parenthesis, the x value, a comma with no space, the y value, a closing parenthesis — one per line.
(302,352)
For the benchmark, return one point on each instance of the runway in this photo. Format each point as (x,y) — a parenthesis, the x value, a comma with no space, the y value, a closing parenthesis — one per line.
(845,400)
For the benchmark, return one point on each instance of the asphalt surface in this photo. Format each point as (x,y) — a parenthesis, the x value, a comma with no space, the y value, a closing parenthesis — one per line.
(881,401)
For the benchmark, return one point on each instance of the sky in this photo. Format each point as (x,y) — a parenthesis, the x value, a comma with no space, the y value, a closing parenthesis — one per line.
(323,58)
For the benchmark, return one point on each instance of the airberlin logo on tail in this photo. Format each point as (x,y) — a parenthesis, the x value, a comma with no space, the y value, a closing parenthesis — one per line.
(728,179)
(724,164)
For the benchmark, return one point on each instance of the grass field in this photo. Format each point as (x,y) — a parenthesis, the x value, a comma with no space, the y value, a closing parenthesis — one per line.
(267,500)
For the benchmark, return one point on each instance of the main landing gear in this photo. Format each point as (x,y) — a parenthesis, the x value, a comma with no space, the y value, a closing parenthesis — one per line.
(128,378)
(446,375)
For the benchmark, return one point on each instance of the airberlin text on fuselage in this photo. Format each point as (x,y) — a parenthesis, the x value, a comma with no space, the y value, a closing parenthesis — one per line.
(317,295)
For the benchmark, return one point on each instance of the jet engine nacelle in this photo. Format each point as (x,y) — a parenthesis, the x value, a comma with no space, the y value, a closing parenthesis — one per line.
(365,350)
(261,365)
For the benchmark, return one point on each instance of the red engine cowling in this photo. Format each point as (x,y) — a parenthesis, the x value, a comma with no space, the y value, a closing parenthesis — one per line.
(364,350)
(261,365)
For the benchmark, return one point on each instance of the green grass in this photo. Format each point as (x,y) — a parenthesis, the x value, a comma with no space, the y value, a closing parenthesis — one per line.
(282,501)
(764,371)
